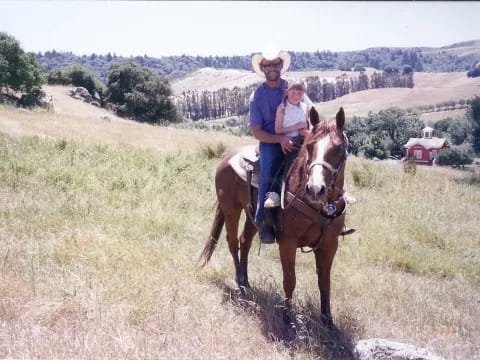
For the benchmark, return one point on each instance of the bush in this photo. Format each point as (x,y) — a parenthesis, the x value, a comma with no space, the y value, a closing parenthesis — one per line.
(358,67)
(140,94)
(474,73)
(454,156)
(77,75)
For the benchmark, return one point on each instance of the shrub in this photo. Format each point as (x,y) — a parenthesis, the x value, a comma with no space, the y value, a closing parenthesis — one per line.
(358,67)
(454,156)
(140,94)
(474,73)
(77,75)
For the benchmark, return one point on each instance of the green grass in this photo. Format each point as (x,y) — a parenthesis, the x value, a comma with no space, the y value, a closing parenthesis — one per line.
(99,247)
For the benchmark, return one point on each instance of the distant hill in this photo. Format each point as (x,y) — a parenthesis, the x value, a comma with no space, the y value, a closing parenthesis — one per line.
(456,57)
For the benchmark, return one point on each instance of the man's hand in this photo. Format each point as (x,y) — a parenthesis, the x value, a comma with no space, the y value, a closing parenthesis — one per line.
(286,144)
(304,132)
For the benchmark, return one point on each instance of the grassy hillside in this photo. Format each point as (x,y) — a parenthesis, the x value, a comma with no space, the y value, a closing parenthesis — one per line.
(430,89)
(99,245)
(76,120)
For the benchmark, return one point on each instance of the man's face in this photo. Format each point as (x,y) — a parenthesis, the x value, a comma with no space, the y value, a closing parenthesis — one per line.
(271,68)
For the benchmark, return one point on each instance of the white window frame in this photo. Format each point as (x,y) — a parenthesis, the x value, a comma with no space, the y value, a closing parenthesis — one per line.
(417,154)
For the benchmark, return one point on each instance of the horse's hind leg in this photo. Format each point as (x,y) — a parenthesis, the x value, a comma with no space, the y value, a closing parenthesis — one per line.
(249,231)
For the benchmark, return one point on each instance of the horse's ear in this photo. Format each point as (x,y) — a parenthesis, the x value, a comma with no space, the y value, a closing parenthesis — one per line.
(314,118)
(340,119)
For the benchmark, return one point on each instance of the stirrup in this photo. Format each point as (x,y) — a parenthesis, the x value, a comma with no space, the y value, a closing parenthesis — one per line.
(273,200)
(348,231)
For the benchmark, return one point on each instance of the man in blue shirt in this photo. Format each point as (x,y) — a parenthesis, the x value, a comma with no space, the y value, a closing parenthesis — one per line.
(263,106)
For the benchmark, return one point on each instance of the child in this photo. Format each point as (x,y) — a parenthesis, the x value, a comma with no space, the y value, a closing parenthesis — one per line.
(291,120)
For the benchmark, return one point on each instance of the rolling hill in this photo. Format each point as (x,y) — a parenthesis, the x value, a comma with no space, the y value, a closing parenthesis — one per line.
(429,89)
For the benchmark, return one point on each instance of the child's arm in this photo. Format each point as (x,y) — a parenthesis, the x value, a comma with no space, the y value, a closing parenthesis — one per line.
(279,129)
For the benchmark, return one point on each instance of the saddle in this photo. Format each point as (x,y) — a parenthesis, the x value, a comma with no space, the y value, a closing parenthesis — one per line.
(246,163)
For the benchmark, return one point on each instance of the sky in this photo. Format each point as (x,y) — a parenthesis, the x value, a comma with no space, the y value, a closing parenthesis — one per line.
(156,29)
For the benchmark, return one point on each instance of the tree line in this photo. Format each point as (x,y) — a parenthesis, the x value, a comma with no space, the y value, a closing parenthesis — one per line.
(205,104)
(174,67)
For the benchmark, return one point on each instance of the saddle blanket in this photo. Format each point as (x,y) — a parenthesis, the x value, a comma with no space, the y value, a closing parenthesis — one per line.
(246,158)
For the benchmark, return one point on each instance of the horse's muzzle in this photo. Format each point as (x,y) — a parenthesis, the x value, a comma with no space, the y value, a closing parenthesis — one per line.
(316,193)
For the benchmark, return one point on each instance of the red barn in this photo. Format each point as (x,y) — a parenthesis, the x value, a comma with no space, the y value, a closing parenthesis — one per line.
(425,149)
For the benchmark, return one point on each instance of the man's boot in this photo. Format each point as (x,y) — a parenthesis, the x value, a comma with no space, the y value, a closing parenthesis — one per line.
(267,232)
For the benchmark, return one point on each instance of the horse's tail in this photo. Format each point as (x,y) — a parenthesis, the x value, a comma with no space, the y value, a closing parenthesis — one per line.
(212,241)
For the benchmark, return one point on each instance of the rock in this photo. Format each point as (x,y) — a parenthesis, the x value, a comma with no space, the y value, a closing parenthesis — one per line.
(380,349)
(106,117)
(46,101)
(80,93)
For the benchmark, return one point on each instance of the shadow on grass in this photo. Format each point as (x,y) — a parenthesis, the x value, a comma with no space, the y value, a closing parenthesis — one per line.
(308,334)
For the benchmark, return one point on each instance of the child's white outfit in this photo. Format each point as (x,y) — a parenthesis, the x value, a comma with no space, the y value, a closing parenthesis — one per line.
(293,114)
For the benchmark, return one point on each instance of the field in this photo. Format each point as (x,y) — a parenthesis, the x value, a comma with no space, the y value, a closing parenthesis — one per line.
(102,223)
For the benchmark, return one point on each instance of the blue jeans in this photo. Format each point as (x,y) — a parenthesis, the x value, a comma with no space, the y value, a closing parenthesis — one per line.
(271,159)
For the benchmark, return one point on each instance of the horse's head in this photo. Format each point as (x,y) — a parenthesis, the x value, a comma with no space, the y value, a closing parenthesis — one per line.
(326,152)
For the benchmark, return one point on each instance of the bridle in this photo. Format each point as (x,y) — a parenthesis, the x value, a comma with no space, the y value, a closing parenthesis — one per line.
(333,171)
(309,166)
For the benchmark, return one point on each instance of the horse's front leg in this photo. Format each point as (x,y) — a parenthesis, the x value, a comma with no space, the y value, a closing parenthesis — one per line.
(324,260)
(288,250)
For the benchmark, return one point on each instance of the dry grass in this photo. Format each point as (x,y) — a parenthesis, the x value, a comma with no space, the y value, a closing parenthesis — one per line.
(75,120)
(99,245)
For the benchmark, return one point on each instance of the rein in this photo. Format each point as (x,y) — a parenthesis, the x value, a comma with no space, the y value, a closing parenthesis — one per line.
(330,208)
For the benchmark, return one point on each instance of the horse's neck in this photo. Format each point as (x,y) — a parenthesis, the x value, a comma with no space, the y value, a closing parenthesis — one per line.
(297,176)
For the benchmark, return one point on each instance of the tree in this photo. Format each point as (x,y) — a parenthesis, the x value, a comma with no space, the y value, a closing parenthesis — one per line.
(454,156)
(140,94)
(19,71)
(473,113)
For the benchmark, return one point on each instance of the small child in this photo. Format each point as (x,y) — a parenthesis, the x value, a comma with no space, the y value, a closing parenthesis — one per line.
(292,120)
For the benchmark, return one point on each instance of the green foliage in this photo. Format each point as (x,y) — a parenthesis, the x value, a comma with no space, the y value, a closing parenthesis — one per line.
(455,156)
(383,134)
(474,72)
(473,113)
(358,67)
(140,94)
(77,75)
(19,71)
(457,130)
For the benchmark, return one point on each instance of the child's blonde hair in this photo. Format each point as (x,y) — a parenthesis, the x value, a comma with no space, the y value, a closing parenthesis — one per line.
(294,85)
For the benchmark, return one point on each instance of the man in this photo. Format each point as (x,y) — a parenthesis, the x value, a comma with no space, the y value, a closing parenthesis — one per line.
(271,64)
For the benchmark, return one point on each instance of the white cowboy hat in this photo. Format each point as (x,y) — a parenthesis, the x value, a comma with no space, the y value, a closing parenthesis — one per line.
(270,54)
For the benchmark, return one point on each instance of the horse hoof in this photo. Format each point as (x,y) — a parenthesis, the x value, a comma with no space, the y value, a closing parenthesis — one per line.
(327,322)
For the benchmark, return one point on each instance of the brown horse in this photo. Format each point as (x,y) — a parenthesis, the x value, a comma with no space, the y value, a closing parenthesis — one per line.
(312,213)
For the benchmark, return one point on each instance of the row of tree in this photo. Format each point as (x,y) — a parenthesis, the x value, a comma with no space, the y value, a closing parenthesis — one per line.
(196,105)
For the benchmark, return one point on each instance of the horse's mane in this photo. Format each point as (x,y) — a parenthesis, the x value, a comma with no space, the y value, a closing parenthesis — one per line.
(320,130)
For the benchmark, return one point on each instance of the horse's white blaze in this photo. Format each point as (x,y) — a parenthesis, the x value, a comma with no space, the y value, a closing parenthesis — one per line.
(316,176)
